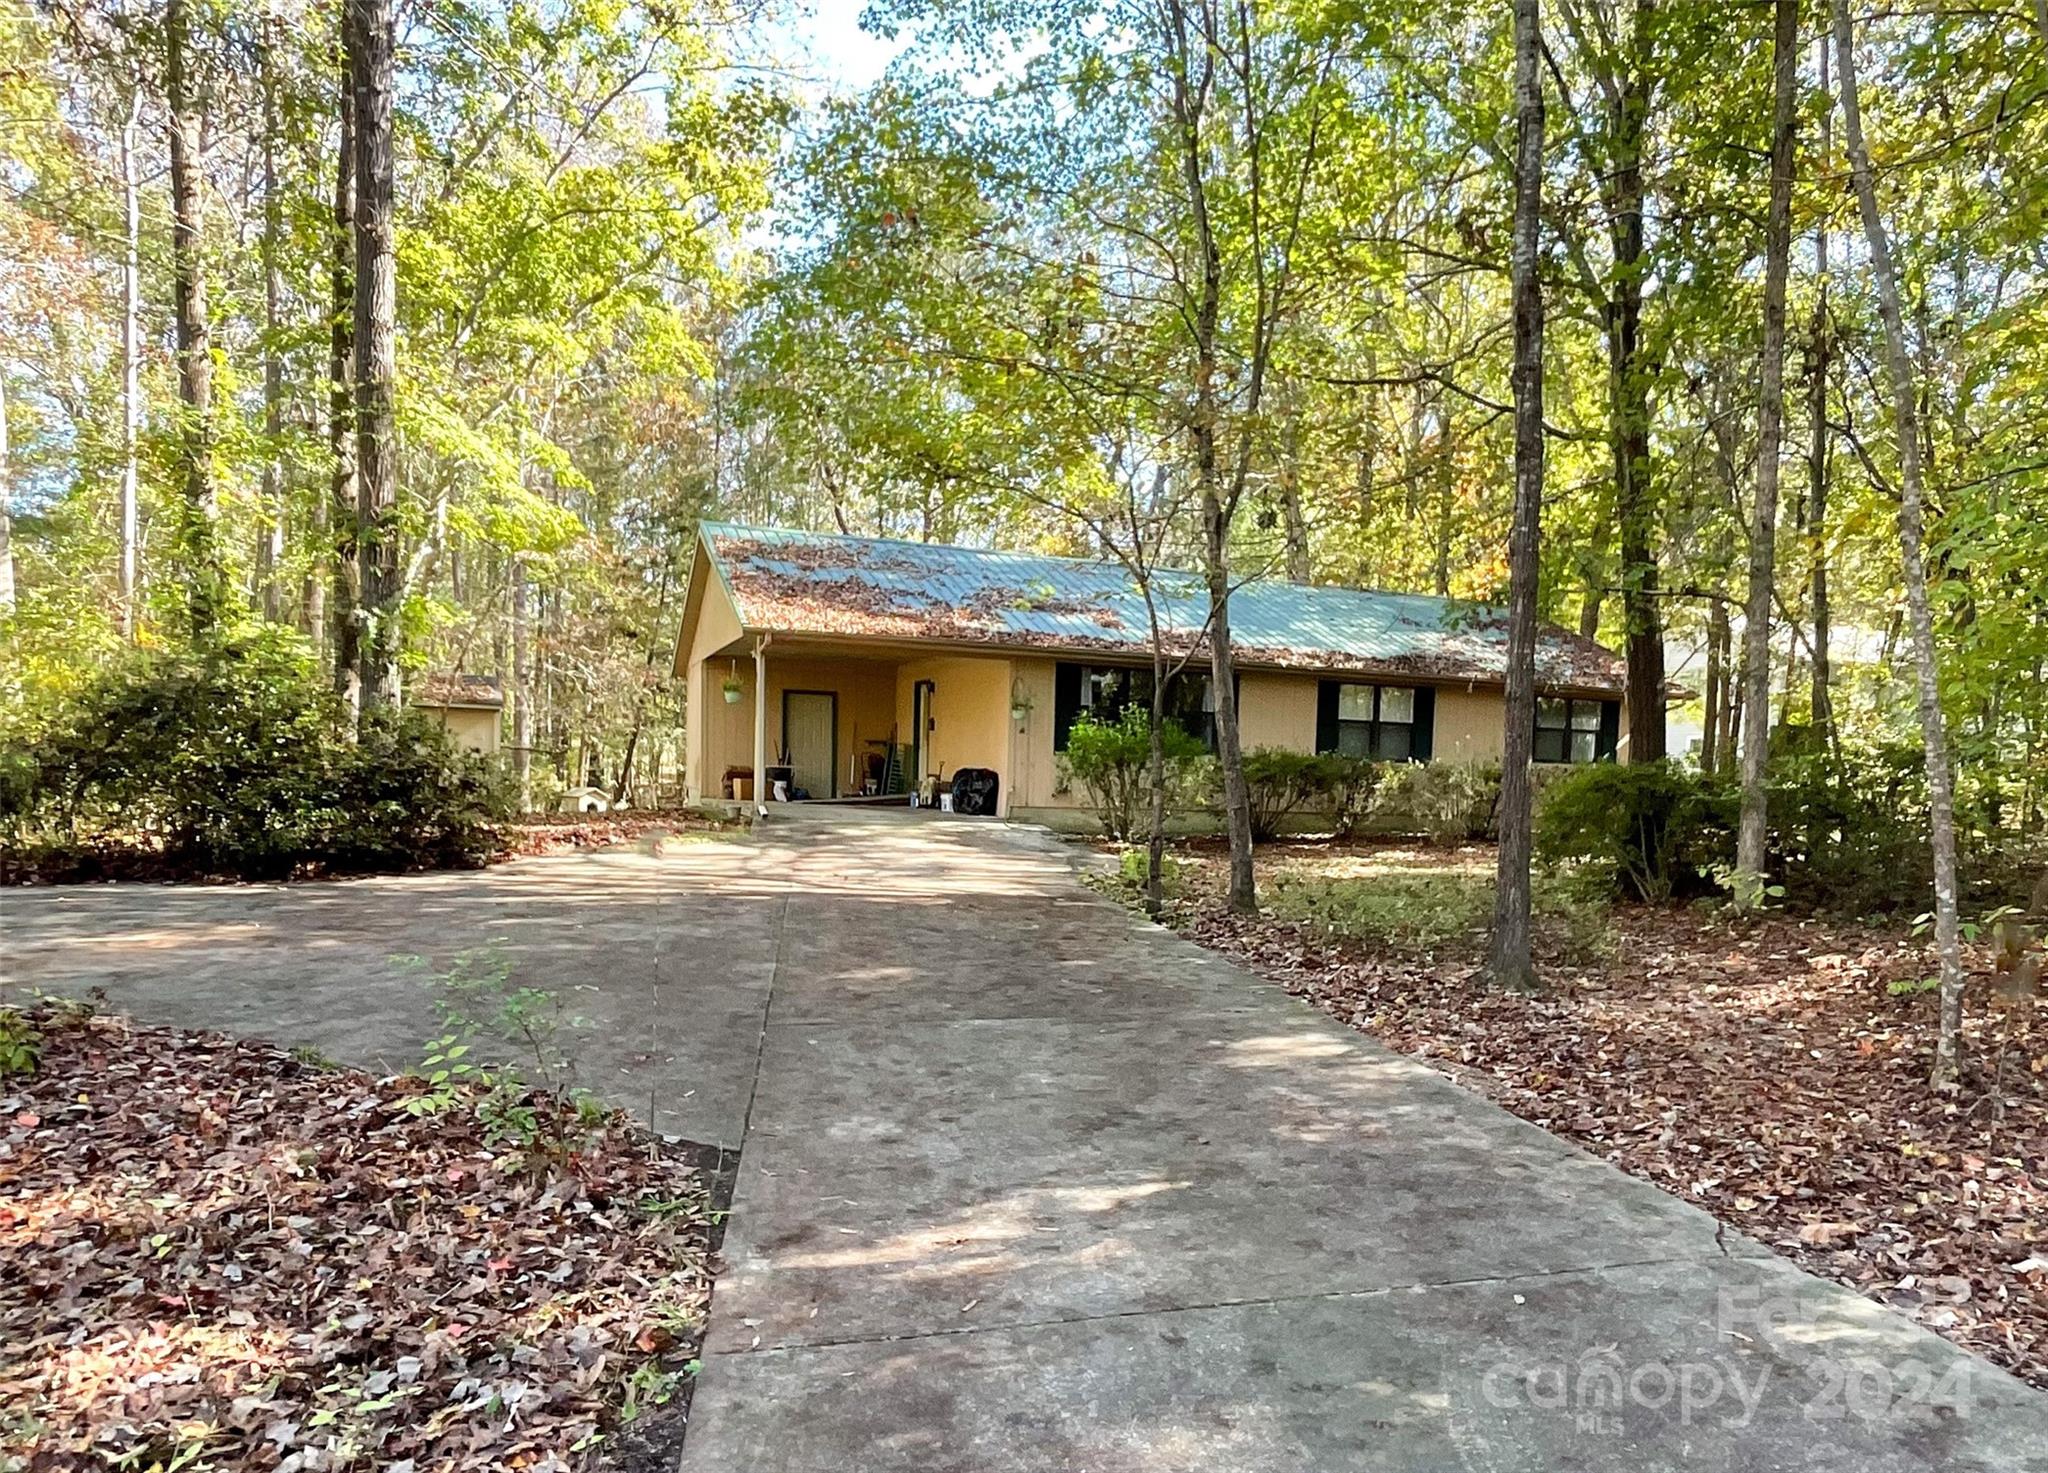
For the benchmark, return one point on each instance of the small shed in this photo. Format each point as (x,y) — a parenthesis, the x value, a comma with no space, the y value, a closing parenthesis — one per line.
(470,708)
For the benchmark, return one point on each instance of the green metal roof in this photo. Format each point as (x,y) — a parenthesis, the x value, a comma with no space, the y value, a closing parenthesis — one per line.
(877,588)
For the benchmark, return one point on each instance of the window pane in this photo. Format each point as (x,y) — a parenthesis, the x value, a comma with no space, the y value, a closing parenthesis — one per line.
(1354,739)
(1397,703)
(1585,715)
(1208,693)
(1551,712)
(1549,746)
(1396,743)
(1354,703)
(1582,745)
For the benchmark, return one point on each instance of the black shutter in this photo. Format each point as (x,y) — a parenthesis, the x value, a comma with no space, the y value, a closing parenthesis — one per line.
(1425,723)
(1066,702)
(1609,741)
(1326,715)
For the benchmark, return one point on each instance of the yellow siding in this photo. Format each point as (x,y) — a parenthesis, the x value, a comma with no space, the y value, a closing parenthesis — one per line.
(1468,725)
(1276,710)
(866,692)
(468,727)
(709,724)
(969,714)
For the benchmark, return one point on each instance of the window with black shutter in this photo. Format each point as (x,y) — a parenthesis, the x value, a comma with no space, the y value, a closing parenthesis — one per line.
(1102,692)
(1575,730)
(1388,723)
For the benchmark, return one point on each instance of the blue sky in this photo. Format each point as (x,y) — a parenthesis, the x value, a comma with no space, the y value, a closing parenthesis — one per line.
(827,42)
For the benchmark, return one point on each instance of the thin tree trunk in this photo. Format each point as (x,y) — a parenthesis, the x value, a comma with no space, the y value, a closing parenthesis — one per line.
(6,516)
(522,689)
(205,593)
(1731,703)
(131,365)
(1508,956)
(1919,618)
(370,36)
(1293,520)
(1629,388)
(1817,458)
(1717,685)
(1191,94)
(346,639)
(1756,627)
(270,535)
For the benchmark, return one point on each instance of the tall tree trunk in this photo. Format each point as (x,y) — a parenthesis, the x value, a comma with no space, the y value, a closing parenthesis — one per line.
(1817,457)
(1770,415)
(347,628)
(370,37)
(1919,618)
(1508,958)
(522,688)
(131,365)
(1629,391)
(1292,519)
(270,534)
(6,516)
(1731,703)
(1191,91)
(1717,685)
(205,589)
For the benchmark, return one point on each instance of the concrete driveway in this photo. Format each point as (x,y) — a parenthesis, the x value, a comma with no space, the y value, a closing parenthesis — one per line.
(1028,1184)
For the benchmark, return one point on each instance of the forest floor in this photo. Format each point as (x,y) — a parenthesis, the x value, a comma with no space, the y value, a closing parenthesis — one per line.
(1764,1069)
(216,1254)
(573,833)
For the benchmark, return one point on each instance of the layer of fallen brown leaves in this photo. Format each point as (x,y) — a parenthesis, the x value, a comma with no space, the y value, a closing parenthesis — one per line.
(1757,1068)
(573,833)
(214,1252)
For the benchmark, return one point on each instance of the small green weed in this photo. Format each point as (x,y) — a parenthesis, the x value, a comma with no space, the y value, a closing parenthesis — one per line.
(21,1046)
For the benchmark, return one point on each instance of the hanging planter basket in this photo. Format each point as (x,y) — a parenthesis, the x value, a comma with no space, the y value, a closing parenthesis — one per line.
(732,687)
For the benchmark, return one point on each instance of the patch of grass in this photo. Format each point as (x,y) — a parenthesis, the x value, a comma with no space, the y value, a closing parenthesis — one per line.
(1419,910)
(1423,910)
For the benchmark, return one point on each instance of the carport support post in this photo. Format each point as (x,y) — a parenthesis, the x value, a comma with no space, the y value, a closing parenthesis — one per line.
(761,722)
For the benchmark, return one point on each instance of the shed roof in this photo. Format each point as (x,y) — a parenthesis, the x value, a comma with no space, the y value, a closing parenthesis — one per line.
(812,583)
(477,692)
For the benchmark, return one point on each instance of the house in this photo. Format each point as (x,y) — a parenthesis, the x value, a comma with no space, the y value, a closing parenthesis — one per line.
(841,665)
(468,707)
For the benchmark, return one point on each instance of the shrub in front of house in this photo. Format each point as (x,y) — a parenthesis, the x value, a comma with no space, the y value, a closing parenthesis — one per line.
(1280,783)
(1451,802)
(1648,830)
(235,761)
(1111,760)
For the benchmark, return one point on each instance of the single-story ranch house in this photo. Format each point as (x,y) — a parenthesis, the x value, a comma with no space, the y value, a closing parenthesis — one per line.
(842,666)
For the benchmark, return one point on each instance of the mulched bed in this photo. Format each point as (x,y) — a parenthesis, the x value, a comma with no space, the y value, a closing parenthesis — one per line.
(573,833)
(217,1255)
(1759,1069)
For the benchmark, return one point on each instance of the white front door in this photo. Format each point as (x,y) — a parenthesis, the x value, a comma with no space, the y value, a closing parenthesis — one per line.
(810,733)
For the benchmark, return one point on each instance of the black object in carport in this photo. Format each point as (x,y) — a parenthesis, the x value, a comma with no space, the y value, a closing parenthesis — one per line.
(974,790)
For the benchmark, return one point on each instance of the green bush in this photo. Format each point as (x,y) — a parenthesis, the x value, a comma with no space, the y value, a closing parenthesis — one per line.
(236,761)
(1448,801)
(1279,782)
(1134,865)
(1356,786)
(1112,760)
(1851,832)
(1649,830)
